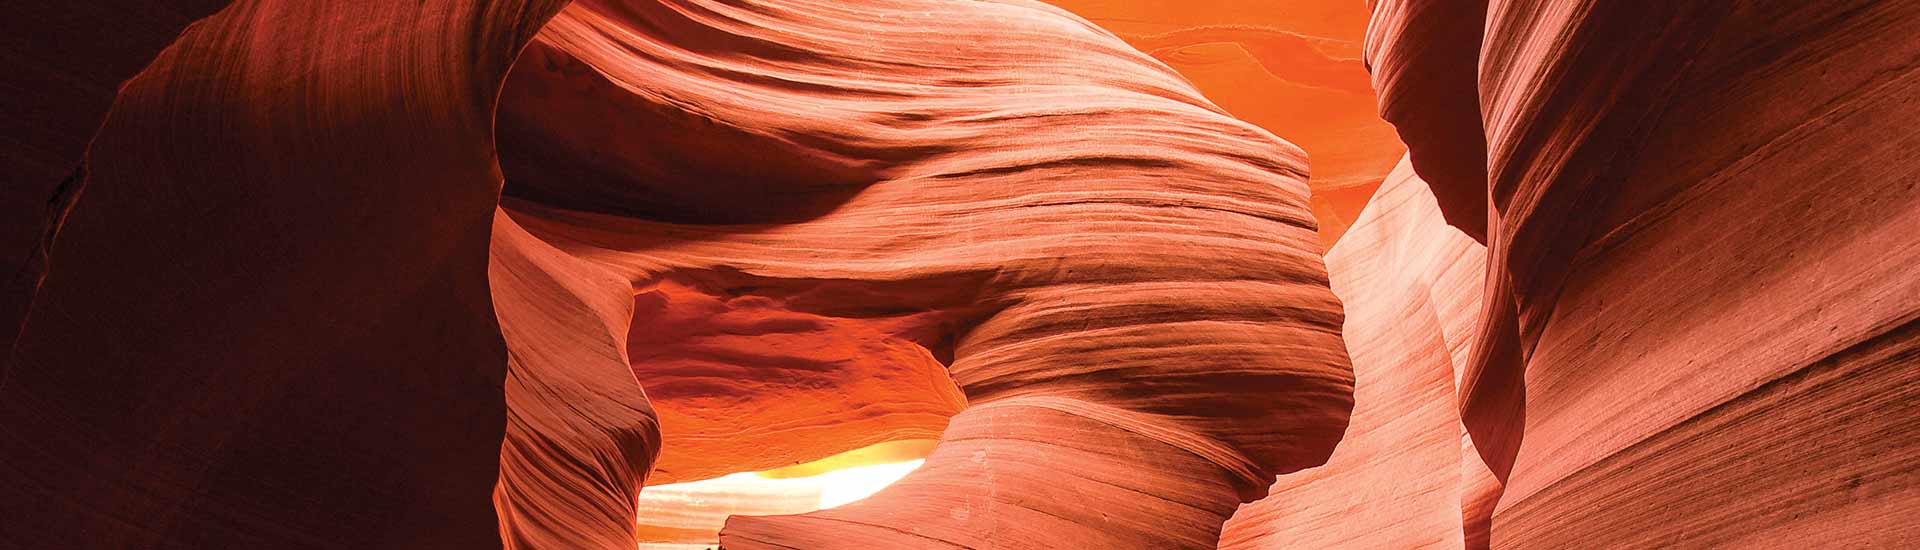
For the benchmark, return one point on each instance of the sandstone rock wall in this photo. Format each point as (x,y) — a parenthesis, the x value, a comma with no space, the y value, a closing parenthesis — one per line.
(1121,279)
(268,320)
(344,275)
(1700,299)
(1404,473)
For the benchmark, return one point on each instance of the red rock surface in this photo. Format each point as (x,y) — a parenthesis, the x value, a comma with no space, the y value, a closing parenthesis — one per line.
(1422,55)
(986,232)
(759,376)
(1403,473)
(1743,305)
(1701,297)
(268,320)
(62,74)
(347,275)
(1043,250)
(580,434)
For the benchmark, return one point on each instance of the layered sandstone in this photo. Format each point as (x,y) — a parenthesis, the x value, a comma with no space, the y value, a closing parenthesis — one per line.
(1700,296)
(1422,55)
(348,275)
(1118,276)
(580,434)
(1294,68)
(1404,474)
(1111,286)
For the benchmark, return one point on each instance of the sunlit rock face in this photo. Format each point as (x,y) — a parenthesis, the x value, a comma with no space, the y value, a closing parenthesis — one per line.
(753,373)
(1699,313)
(1404,475)
(1294,67)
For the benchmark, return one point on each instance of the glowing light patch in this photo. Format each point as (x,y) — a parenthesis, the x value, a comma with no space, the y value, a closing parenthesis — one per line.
(686,516)
(843,486)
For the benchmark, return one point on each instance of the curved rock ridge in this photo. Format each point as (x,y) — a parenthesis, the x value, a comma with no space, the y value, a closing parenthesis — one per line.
(1295,68)
(269,322)
(580,434)
(1699,294)
(1121,279)
(289,307)
(1422,55)
(303,389)
(1404,476)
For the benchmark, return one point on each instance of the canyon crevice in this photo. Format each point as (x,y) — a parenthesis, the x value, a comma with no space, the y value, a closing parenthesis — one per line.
(1077,274)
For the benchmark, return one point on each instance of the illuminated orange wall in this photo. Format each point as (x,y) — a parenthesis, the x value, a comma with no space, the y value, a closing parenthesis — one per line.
(1234,52)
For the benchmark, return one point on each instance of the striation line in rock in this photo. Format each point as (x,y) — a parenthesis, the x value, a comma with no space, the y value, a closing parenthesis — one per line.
(1696,212)
(580,435)
(1294,68)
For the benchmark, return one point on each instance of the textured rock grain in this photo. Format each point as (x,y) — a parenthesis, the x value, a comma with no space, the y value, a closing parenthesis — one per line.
(1294,68)
(1422,55)
(580,435)
(1120,278)
(1404,474)
(1700,221)
(1694,230)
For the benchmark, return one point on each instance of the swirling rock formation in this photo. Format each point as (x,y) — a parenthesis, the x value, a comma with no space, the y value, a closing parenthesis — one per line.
(1291,67)
(439,274)
(994,211)
(920,202)
(1404,475)
(580,434)
(1700,296)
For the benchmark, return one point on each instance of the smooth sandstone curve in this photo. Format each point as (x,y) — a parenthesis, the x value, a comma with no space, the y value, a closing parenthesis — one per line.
(1699,221)
(1404,476)
(1008,164)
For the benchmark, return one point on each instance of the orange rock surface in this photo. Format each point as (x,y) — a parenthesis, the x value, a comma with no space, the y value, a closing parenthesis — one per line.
(1295,68)
(1700,295)
(670,274)
(1404,475)
(925,212)
(1045,252)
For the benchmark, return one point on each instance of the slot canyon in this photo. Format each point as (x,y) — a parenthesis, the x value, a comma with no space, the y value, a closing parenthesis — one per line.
(960,274)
